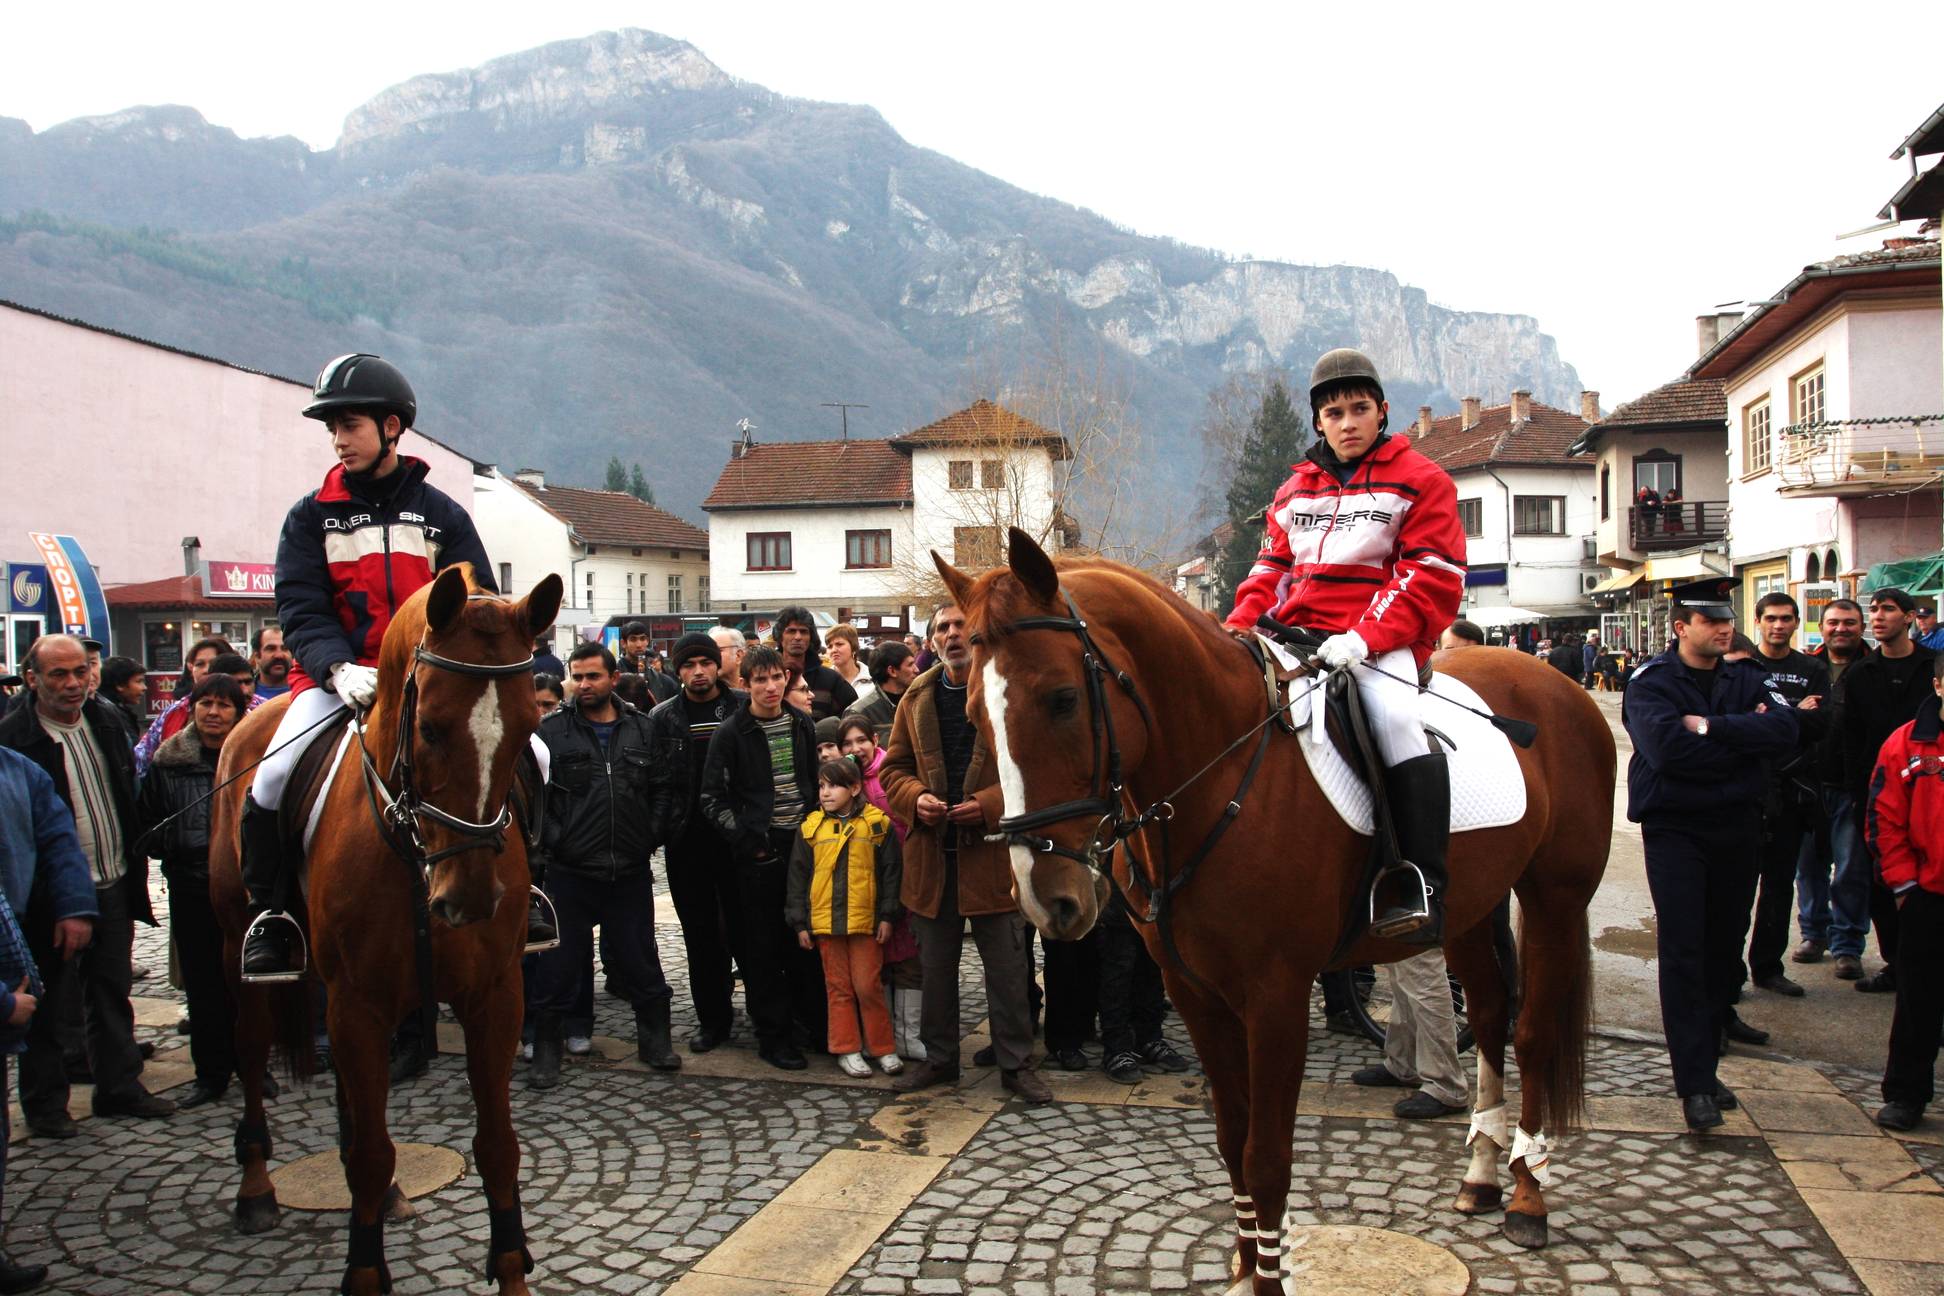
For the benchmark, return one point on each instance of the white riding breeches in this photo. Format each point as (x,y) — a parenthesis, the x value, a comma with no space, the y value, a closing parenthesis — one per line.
(1392,705)
(306,710)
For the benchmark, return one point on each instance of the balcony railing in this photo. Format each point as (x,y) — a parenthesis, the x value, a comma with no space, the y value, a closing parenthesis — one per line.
(1867,456)
(1677,525)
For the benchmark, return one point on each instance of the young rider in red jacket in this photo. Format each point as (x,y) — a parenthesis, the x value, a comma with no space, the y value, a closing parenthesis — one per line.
(1905,825)
(1364,542)
(351,552)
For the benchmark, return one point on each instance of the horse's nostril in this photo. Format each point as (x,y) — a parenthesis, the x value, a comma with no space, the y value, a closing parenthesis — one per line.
(1065,914)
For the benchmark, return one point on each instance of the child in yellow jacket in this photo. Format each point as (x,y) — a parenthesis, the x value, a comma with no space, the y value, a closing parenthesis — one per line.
(843,895)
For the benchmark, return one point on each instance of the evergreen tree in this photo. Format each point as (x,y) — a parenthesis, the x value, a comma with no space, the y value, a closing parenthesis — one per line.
(1279,435)
(617,476)
(639,488)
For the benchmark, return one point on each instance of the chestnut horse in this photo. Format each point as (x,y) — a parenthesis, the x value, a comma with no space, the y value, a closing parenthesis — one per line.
(444,774)
(1103,694)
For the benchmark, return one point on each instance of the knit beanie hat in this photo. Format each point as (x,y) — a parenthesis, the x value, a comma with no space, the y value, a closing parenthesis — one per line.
(830,729)
(695,644)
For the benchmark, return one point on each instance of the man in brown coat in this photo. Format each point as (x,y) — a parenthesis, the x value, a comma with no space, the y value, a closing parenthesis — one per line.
(940,778)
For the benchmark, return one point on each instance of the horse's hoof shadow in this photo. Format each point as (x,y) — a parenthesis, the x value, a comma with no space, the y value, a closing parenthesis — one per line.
(1528,1231)
(397,1206)
(257,1214)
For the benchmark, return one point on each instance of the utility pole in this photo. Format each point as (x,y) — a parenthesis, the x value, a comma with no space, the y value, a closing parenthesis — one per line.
(844,407)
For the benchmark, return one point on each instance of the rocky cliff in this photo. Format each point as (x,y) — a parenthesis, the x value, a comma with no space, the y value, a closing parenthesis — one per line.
(610,246)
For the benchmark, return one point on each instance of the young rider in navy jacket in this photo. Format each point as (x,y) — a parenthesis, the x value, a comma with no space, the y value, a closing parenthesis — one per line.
(351,552)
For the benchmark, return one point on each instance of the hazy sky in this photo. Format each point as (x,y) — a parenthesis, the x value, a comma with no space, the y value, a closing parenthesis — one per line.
(1613,176)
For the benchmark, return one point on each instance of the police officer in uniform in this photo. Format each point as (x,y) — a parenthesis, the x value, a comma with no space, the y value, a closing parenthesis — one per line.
(1704,730)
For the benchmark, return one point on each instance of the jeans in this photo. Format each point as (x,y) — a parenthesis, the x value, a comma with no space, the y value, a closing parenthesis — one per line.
(1130,986)
(702,883)
(625,910)
(1834,911)
(1780,861)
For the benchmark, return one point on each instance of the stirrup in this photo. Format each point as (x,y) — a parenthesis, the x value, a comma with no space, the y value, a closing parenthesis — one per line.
(1405,923)
(302,950)
(553,915)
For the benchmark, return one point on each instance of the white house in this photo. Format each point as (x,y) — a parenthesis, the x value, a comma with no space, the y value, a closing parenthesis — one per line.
(617,555)
(847,527)
(1835,441)
(1526,505)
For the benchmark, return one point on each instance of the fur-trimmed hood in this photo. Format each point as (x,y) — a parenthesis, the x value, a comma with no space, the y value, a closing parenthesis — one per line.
(179,752)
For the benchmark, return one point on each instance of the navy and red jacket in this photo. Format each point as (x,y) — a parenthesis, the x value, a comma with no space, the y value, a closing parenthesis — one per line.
(1905,819)
(345,562)
(1381,553)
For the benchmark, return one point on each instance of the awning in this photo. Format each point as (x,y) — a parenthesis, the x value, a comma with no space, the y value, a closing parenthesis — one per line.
(1911,575)
(1615,583)
(1680,567)
(1497,618)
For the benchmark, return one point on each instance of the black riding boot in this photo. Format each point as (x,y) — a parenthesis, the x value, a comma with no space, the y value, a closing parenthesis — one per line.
(1420,803)
(544,1071)
(540,924)
(651,1036)
(266,950)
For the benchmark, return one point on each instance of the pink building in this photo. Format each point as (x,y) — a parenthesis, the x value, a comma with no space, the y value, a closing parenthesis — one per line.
(136,449)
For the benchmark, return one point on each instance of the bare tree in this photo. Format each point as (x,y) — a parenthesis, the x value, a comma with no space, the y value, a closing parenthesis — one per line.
(1232,407)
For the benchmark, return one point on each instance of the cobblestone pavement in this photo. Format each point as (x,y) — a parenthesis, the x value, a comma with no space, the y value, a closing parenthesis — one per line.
(733,1178)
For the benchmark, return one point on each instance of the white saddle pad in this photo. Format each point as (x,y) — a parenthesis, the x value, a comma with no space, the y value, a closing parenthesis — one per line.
(1487,787)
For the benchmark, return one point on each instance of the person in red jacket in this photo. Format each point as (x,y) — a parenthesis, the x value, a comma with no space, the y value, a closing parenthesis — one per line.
(1364,542)
(1905,828)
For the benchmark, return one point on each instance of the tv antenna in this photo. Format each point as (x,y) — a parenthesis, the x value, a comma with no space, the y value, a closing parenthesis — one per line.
(844,408)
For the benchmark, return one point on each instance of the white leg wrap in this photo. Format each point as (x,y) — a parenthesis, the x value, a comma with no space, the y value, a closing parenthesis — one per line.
(1245,1216)
(1268,1254)
(1490,1122)
(1533,1148)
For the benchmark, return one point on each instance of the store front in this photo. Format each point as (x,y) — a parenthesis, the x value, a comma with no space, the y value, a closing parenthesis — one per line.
(26,614)
(157,621)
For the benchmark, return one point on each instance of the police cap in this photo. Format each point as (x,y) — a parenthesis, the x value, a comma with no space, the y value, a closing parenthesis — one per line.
(1709,597)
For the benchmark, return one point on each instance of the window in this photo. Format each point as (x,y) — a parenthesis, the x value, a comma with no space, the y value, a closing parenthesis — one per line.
(769,551)
(506,579)
(1538,515)
(590,591)
(976,548)
(1657,471)
(1606,491)
(958,474)
(867,548)
(631,593)
(1471,515)
(702,593)
(1757,439)
(992,474)
(1806,397)
(674,593)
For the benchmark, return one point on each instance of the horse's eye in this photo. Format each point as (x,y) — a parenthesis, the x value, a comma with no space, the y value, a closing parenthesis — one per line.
(975,639)
(1063,702)
(428,732)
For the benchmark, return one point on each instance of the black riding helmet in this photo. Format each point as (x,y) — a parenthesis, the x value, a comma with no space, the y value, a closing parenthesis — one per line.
(366,384)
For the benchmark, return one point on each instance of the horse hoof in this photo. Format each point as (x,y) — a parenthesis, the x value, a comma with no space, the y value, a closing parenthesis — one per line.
(1528,1231)
(256,1214)
(397,1206)
(1479,1199)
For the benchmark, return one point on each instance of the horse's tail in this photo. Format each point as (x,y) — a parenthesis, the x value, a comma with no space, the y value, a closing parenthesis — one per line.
(1556,1011)
(293,1028)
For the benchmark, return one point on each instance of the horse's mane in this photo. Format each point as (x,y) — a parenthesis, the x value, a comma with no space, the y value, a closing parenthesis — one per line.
(486,615)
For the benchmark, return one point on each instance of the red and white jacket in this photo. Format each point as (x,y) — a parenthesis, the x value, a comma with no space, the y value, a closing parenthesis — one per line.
(1905,818)
(1382,554)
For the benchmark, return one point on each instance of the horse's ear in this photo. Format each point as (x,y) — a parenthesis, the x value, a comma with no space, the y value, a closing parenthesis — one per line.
(446,601)
(955,580)
(541,604)
(1031,565)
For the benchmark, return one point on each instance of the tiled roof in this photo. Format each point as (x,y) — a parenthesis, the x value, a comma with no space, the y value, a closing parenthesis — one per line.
(814,474)
(176,594)
(1540,439)
(984,423)
(1685,400)
(617,518)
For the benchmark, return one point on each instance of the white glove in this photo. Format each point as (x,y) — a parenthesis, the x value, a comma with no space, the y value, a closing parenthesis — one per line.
(1340,652)
(355,684)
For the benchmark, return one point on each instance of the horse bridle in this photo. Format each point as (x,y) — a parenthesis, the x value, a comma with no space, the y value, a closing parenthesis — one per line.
(402,806)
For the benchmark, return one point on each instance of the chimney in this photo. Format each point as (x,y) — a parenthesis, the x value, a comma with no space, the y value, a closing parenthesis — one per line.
(191,555)
(1521,406)
(1468,417)
(531,477)
(1707,332)
(1424,421)
(1589,407)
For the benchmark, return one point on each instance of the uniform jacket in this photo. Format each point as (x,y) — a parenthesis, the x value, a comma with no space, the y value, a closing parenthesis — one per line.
(22,731)
(177,790)
(41,864)
(600,801)
(1676,774)
(844,874)
(1871,710)
(1905,818)
(738,791)
(678,787)
(915,763)
(1382,554)
(345,563)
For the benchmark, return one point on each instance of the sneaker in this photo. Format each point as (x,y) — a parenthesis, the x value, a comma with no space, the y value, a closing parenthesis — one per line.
(853,1064)
(580,1045)
(1161,1055)
(1849,967)
(1809,951)
(526,1050)
(1125,1067)
(891,1064)
(1069,1059)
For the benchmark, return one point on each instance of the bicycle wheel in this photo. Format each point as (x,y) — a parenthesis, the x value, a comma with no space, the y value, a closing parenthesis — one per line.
(1370,1004)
